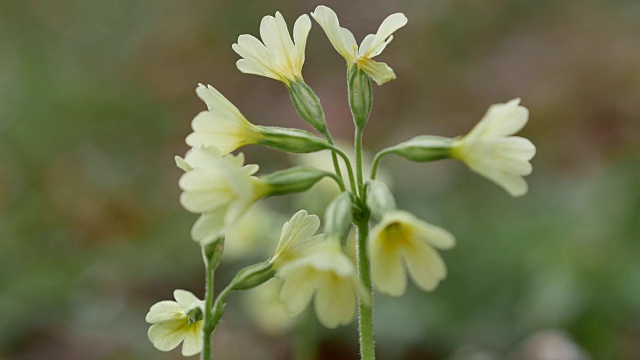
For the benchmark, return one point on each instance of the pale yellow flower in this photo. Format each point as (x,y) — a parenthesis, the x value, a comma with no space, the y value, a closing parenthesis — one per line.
(372,45)
(175,322)
(296,238)
(491,151)
(222,126)
(218,187)
(329,274)
(401,242)
(277,56)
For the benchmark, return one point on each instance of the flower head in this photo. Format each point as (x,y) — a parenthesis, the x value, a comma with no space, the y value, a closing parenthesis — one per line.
(296,237)
(490,150)
(372,45)
(177,321)
(218,187)
(402,242)
(222,126)
(277,56)
(329,274)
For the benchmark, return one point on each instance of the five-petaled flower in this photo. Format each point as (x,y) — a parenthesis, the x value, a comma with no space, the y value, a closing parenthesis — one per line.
(177,321)
(220,188)
(222,126)
(277,56)
(401,242)
(490,150)
(372,45)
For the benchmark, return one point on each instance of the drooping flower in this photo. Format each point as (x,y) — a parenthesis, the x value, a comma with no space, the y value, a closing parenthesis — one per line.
(177,321)
(277,56)
(491,151)
(220,188)
(329,274)
(401,242)
(222,126)
(372,45)
(296,238)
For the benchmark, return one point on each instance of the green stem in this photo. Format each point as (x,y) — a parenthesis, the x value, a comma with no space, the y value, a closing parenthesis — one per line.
(376,161)
(336,150)
(334,158)
(211,255)
(358,150)
(365,311)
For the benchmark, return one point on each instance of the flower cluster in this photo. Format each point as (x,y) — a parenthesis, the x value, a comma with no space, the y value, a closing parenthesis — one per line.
(220,188)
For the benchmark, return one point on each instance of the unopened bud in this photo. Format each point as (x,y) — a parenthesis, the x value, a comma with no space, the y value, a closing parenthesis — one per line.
(379,199)
(337,218)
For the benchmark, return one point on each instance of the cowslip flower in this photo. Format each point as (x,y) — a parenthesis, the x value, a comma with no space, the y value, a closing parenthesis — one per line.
(277,56)
(177,321)
(491,151)
(372,45)
(222,126)
(220,188)
(326,272)
(401,242)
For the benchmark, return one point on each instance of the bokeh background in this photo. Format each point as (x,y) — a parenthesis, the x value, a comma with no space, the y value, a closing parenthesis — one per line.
(96,98)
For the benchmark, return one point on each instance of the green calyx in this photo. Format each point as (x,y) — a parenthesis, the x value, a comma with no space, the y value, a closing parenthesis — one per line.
(291,140)
(293,180)
(360,95)
(307,104)
(423,148)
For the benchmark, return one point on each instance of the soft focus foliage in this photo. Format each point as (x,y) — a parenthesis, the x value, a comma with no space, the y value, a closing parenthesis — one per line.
(96,97)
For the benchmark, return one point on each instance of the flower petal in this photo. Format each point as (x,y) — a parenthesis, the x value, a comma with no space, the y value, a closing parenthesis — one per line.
(209,226)
(501,120)
(424,264)
(383,36)
(335,301)
(300,33)
(193,339)
(167,335)
(185,298)
(298,287)
(387,271)
(164,311)
(378,71)
(341,38)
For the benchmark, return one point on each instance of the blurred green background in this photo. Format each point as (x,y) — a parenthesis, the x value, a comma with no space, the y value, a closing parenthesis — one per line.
(96,97)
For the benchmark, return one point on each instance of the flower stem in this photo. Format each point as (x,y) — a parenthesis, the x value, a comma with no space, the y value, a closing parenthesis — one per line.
(365,311)
(358,154)
(211,255)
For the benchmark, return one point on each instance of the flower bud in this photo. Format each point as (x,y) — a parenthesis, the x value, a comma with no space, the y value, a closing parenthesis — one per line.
(293,180)
(423,148)
(307,105)
(360,95)
(252,276)
(379,199)
(291,140)
(337,218)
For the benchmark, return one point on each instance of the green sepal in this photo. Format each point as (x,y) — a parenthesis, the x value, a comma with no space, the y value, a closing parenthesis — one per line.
(360,95)
(291,140)
(293,180)
(252,276)
(308,106)
(423,148)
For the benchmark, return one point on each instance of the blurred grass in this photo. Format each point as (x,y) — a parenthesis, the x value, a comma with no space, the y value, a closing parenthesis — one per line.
(97,97)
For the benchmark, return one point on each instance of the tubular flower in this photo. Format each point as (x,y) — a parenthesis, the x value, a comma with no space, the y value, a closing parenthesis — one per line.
(489,150)
(296,238)
(372,45)
(277,56)
(222,126)
(401,241)
(177,321)
(329,274)
(218,187)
